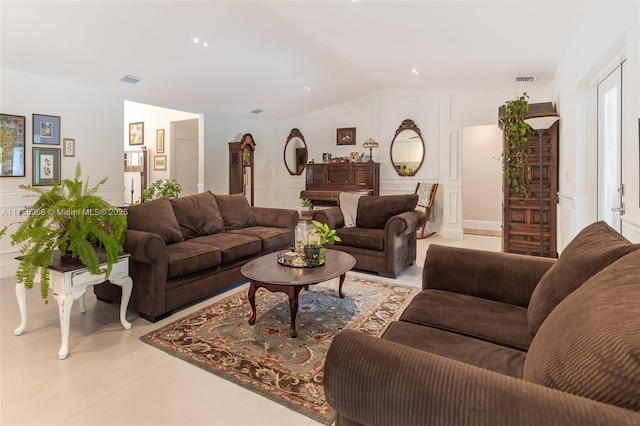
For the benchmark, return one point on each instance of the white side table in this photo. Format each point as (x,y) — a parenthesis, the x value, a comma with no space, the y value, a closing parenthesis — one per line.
(68,280)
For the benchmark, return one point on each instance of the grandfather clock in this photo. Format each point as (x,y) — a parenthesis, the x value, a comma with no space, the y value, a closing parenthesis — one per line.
(241,166)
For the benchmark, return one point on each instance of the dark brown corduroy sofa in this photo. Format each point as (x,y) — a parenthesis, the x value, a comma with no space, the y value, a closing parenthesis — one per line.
(185,249)
(503,339)
(384,238)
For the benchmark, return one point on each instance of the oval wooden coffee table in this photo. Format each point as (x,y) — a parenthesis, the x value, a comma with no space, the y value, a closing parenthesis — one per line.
(267,273)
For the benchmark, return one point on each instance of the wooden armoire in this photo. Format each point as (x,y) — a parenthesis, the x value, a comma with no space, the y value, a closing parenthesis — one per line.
(529,225)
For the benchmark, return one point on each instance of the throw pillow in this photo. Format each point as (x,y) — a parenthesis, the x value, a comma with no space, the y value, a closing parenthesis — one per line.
(594,248)
(236,211)
(155,216)
(589,345)
(197,215)
(375,211)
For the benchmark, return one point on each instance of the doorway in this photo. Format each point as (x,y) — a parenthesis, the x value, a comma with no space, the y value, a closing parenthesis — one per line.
(482,180)
(610,186)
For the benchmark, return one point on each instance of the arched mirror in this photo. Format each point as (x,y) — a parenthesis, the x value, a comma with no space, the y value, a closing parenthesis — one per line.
(407,149)
(295,153)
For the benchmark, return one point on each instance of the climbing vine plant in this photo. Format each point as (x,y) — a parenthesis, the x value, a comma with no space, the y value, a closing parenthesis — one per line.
(515,155)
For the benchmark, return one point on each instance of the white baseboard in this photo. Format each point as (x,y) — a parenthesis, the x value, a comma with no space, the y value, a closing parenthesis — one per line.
(482,224)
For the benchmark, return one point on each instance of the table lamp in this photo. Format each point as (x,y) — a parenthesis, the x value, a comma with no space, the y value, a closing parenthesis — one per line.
(370,143)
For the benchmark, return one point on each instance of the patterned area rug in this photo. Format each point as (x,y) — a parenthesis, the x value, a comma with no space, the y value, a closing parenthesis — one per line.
(263,357)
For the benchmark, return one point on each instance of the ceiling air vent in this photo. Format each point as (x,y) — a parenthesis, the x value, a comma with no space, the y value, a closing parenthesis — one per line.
(525,79)
(131,79)
(257,111)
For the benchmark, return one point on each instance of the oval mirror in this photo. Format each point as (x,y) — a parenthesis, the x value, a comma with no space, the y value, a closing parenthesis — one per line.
(295,153)
(407,149)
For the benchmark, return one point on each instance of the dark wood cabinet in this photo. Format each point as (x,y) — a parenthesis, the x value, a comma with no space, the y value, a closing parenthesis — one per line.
(325,181)
(530,224)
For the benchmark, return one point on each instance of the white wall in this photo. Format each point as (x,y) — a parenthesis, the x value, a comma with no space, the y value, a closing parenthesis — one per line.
(610,30)
(482,196)
(93,117)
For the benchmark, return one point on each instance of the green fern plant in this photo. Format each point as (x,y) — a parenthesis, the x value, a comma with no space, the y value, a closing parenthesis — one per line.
(514,154)
(71,218)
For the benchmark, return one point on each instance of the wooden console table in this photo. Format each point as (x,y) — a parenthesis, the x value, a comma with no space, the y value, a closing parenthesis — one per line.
(68,281)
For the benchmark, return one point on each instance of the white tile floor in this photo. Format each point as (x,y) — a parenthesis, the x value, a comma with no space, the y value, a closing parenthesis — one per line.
(112,378)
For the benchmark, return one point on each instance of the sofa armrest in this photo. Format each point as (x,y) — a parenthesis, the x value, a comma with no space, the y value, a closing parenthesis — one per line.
(405,223)
(371,381)
(145,247)
(277,218)
(331,216)
(503,277)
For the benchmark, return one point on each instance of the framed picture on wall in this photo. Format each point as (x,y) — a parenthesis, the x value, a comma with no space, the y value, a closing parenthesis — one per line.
(136,133)
(346,136)
(13,151)
(69,147)
(160,141)
(46,166)
(159,162)
(46,129)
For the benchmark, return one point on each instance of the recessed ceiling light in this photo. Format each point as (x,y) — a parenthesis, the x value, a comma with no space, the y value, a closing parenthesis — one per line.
(195,40)
(205,44)
(415,71)
(307,88)
(257,111)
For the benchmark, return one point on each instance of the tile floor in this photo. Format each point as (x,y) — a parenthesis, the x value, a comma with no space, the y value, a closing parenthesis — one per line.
(112,378)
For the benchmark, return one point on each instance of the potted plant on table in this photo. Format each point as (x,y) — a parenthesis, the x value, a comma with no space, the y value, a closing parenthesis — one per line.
(69,218)
(321,237)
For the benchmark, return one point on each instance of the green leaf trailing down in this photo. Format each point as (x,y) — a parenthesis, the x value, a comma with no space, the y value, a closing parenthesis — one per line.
(515,155)
(69,217)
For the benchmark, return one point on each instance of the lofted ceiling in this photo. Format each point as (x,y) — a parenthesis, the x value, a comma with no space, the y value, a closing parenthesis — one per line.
(287,57)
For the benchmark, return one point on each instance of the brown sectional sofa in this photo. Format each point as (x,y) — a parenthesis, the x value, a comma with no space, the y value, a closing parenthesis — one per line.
(503,339)
(185,249)
(384,238)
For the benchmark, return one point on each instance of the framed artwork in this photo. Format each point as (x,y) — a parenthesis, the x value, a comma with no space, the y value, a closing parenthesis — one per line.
(159,162)
(160,141)
(46,129)
(346,136)
(12,145)
(46,166)
(136,133)
(69,147)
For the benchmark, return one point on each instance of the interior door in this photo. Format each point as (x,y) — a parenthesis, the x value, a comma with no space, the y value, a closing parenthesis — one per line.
(610,187)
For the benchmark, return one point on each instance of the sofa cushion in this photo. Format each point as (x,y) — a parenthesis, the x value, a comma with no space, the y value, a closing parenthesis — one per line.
(374,211)
(197,215)
(365,238)
(590,344)
(185,257)
(157,217)
(235,210)
(232,246)
(594,248)
(497,322)
(456,346)
(272,238)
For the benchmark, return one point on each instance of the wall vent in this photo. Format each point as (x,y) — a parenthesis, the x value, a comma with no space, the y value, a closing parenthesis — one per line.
(131,79)
(525,79)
